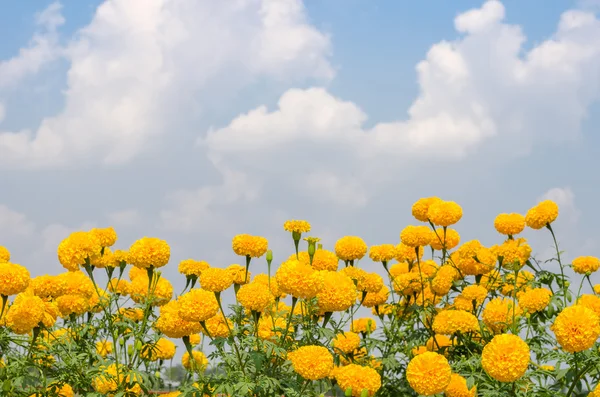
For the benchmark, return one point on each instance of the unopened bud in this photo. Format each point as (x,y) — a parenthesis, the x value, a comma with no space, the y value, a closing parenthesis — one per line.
(269,256)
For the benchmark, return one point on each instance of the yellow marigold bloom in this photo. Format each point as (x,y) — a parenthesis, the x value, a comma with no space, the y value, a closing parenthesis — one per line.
(346,342)
(416,236)
(358,378)
(371,282)
(376,298)
(77,248)
(264,280)
(498,314)
(451,240)
(462,303)
(98,301)
(444,213)
(426,297)
(199,361)
(270,328)
(172,325)
(365,325)
(4,254)
(418,350)
(161,294)
(216,279)
(149,251)
(428,373)
(51,313)
(25,314)
(47,286)
(107,237)
(420,208)
(77,283)
(217,327)
(72,304)
(382,253)
(524,277)
(535,300)
(407,284)
(135,272)
(475,293)
(121,257)
(255,297)
(591,302)
(195,339)
(438,342)
(337,294)
(120,287)
(443,280)
(576,328)
(104,347)
(311,362)
(458,387)
(133,314)
(247,245)
(586,264)
(505,358)
(296,226)
(238,274)
(163,349)
(473,259)
(198,305)
(398,268)
(595,392)
(298,279)
(322,260)
(542,214)
(448,322)
(107,382)
(514,253)
(405,253)
(350,248)
(190,267)
(429,268)
(14,279)
(509,224)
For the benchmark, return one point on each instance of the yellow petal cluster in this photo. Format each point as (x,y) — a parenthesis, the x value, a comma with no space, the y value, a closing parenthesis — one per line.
(505,358)
(247,245)
(542,214)
(311,362)
(297,226)
(350,248)
(444,213)
(428,373)
(509,224)
(149,251)
(358,378)
(576,328)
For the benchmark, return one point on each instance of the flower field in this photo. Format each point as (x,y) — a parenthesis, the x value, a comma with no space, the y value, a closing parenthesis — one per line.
(449,318)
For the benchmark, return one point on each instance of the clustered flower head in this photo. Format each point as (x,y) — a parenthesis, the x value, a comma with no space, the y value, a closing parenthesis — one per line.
(191,267)
(505,358)
(78,248)
(350,248)
(542,214)
(14,279)
(428,373)
(444,213)
(576,328)
(296,226)
(311,362)
(357,379)
(382,253)
(149,252)
(416,236)
(216,279)
(255,297)
(509,224)
(247,245)
(299,279)
(445,240)
(586,264)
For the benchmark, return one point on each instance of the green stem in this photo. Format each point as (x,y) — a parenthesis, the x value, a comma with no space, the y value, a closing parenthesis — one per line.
(562,271)
(237,351)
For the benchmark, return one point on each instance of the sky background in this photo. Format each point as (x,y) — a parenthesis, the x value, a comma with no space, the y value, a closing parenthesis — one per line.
(194,121)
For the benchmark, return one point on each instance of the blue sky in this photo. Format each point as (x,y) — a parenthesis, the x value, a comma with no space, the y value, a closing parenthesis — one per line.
(159,122)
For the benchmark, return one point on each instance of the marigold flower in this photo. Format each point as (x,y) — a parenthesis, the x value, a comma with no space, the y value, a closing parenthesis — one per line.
(509,224)
(443,280)
(78,248)
(77,283)
(591,302)
(444,213)
(514,253)
(264,280)
(586,264)
(371,282)
(337,294)
(198,305)
(542,214)
(470,261)
(161,293)
(14,279)
(72,304)
(25,314)
(190,267)
(407,284)
(498,314)
(595,392)
(438,342)
(217,327)
(149,251)
(107,381)
(104,347)
(296,226)
(376,298)
(428,373)
(535,300)
(420,208)
(416,236)
(451,240)
(255,297)
(429,268)
(4,254)
(346,342)
(458,387)
(505,358)
(171,324)
(358,379)
(311,362)
(350,248)
(365,325)
(405,253)
(247,245)
(199,362)
(270,328)
(448,322)
(238,274)
(163,349)
(524,277)
(382,253)
(576,328)
(119,286)
(475,293)
(215,279)
(298,279)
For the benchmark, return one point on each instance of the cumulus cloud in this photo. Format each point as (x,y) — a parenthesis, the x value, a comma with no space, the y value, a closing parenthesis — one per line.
(138,65)
(565,198)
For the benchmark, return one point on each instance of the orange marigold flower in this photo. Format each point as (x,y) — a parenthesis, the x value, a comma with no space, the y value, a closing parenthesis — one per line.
(420,208)
(337,294)
(458,387)
(576,328)
(498,314)
(365,325)
(215,279)
(591,302)
(586,264)
(451,240)
(542,214)
(255,297)
(509,224)
(171,324)
(298,279)
(190,267)
(14,279)
(350,248)
(405,253)
(428,373)
(106,236)
(416,236)
(346,342)
(448,322)
(382,253)
(535,300)
(311,362)
(199,362)
(444,213)
(149,251)
(376,298)
(4,254)
(78,248)
(358,379)
(296,226)
(247,245)
(197,305)
(505,358)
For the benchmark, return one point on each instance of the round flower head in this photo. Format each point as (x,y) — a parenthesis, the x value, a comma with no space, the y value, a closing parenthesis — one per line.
(416,236)
(591,302)
(298,279)
(576,328)
(238,274)
(311,362)
(458,387)
(509,224)
(444,213)
(542,214)
(358,379)
(535,300)
(376,298)
(498,314)
(197,305)
(26,313)
(255,297)
(443,280)
(77,283)
(199,362)
(171,324)
(420,208)
(216,279)
(371,282)
(451,240)
(190,267)
(365,325)
(448,322)
(120,287)
(161,293)
(475,293)
(428,373)
(247,245)
(346,342)
(106,236)
(324,260)
(438,342)
(505,358)
(149,251)
(296,226)
(72,304)
(473,259)
(217,328)
(350,248)
(4,254)
(272,283)
(586,264)
(338,293)
(78,248)
(14,279)
(405,253)
(382,253)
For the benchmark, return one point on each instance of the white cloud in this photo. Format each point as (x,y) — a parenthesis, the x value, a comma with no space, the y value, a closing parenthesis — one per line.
(14,224)
(129,217)
(42,49)
(135,69)
(565,198)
